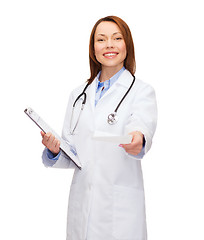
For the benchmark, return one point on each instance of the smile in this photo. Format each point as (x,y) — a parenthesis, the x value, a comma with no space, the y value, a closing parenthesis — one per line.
(110,54)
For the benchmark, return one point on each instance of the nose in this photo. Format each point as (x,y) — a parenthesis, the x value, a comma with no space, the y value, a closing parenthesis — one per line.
(110,43)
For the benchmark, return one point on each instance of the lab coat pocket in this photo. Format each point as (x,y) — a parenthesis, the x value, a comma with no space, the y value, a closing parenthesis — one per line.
(129,214)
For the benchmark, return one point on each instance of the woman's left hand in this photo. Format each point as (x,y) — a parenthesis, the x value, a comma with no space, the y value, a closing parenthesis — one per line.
(136,145)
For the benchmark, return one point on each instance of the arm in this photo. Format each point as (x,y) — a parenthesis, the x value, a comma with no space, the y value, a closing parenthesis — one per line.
(142,122)
(52,155)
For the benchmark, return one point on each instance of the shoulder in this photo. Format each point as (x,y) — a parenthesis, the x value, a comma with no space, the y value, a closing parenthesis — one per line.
(144,92)
(139,84)
(79,89)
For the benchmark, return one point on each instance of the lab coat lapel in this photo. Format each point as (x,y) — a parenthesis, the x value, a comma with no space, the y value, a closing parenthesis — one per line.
(91,93)
(121,85)
(124,80)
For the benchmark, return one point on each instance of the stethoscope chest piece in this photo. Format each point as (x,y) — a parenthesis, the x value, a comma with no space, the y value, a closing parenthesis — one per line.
(112,118)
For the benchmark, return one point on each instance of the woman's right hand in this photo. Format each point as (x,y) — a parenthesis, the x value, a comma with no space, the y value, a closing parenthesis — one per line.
(50,142)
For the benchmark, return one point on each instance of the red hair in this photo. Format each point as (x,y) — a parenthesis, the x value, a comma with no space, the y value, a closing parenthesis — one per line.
(129,63)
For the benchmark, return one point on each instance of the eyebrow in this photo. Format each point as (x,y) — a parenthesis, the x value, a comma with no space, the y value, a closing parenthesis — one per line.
(102,34)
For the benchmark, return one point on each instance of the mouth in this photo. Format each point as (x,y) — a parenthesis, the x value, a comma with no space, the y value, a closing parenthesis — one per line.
(110,54)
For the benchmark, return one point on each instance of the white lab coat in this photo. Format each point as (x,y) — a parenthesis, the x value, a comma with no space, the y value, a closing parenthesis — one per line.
(106,200)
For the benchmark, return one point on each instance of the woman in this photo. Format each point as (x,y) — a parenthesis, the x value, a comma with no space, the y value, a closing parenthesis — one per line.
(106,198)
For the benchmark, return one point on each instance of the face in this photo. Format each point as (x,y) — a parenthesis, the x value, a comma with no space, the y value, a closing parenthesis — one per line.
(109,45)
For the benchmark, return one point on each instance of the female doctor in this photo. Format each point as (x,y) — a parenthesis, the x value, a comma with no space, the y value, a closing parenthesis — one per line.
(106,200)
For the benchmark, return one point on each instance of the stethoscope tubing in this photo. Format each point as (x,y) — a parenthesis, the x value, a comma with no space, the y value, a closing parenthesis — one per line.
(114,115)
(80,95)
(125,94)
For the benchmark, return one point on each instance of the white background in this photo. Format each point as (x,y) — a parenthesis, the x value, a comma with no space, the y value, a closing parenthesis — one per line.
(44,55)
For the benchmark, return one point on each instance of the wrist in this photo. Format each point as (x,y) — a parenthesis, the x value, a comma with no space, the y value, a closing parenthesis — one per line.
(52,155)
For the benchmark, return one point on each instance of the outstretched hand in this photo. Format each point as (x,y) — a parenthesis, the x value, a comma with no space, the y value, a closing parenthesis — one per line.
(136,145)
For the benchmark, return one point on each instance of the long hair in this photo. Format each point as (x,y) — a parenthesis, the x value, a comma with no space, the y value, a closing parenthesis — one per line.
(129,63)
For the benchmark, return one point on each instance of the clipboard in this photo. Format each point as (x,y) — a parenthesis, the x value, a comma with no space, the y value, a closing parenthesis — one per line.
(64,146)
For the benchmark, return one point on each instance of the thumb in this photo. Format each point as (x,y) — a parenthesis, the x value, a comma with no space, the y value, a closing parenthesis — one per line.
(136,136)
(133,137)
(42,133)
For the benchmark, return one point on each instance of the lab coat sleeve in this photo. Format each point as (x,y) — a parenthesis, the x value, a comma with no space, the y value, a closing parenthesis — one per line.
(143,115)
(63,161)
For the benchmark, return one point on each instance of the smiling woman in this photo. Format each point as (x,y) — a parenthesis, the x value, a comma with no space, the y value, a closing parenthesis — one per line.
(106,199)
(110,48)
(108,34)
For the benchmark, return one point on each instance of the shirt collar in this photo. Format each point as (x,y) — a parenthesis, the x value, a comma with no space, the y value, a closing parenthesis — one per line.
(109,83)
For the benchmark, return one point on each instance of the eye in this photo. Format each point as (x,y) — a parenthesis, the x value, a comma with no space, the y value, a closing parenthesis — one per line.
(118,38)
(100,40)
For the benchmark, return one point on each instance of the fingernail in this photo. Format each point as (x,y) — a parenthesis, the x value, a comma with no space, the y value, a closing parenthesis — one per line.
(120,145)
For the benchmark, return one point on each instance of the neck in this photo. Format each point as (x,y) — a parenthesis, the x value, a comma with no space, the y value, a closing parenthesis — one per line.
(108,72)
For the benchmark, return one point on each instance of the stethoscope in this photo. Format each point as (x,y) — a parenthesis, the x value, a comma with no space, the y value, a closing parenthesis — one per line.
(112,117)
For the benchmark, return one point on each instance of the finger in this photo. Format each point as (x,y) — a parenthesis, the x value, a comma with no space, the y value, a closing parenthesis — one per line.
(47,136)
(50,141)
(134,152)
(134,141)
(133,148)
(55,142)
(42,133)
(129,145)
(46,139)
(55,146)
(126,146)
(136,136)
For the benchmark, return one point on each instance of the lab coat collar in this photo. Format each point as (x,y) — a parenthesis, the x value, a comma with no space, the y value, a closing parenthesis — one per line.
(125,79)
(111,81)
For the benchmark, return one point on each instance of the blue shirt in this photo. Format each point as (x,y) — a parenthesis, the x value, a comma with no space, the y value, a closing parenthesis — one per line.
(101,89)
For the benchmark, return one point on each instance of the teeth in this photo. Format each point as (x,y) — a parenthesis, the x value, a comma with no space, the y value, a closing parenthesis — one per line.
(110,54)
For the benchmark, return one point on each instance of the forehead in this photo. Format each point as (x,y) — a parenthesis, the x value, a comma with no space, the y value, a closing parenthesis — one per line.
(107,28)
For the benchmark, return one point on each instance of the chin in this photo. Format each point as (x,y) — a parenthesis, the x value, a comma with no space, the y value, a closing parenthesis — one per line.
(113,65)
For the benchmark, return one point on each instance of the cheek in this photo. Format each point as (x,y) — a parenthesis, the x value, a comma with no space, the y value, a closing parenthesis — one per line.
(97,49)
(123,49)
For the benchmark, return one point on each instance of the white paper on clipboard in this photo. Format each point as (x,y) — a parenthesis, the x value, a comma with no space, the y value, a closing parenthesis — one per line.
(64,146)
(107,137)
